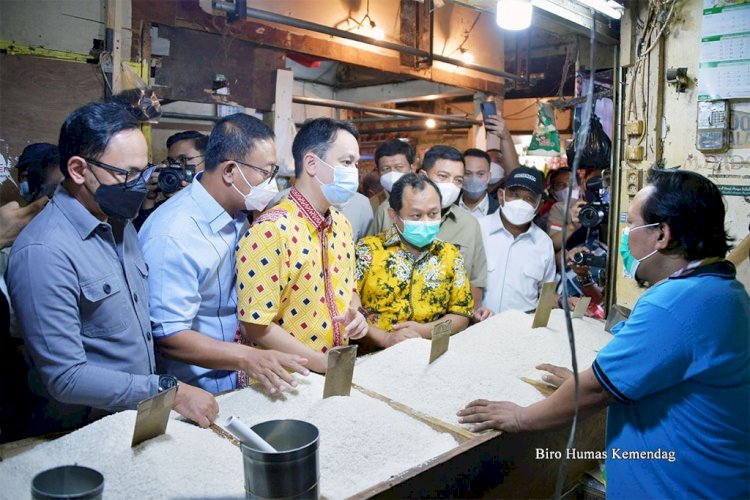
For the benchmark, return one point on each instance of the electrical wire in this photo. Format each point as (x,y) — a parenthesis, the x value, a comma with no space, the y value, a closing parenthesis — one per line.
(580,142)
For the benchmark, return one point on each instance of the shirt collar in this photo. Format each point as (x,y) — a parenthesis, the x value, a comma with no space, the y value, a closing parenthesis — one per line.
(496,225)
(81,219)
(714,266)
(393,238)
(313,216)
(214,213)
(483,206)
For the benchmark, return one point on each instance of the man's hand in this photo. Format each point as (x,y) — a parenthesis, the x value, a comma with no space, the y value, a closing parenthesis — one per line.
(575,209)
(500,415)
(13,218)
(579,270)
(482,313)
(410,328)
(196,404)
(558,375)
(394,338)
(495,125)
(355,325)
(271,368)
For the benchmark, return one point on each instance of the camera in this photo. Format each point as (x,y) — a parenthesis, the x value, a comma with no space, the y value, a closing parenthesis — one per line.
(597,210)
(171,177)
(589,259)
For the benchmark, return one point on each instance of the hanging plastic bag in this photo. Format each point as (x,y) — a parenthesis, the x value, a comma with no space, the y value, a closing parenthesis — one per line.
(546,140)
(139,98)
(596,147)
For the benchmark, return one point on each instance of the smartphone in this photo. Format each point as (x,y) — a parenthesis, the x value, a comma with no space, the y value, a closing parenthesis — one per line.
(488,108)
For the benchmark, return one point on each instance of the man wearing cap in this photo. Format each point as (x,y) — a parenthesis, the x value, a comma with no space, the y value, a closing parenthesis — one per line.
(520,257)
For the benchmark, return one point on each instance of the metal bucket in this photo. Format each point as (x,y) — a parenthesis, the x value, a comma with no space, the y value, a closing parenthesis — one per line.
(291,473)
(69,482)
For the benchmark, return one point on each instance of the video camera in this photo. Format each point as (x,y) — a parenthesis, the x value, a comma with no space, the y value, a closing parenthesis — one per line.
(589,259)
(596,210)
(172,174)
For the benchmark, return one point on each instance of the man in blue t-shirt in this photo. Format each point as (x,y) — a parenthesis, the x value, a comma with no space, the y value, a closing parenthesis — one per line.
(676,375)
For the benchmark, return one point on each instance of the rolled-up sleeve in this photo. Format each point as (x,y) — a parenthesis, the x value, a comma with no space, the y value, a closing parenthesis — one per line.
(173,283)
(46,293)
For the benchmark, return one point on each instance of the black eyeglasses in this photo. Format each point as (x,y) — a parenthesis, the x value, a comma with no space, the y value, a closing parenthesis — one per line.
(184,161)
(132,176)
(266,174)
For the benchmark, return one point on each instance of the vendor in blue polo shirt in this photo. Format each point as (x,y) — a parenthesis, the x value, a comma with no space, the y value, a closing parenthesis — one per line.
(676,375)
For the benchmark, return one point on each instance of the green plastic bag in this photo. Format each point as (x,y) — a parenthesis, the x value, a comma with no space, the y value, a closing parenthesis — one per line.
(546,140)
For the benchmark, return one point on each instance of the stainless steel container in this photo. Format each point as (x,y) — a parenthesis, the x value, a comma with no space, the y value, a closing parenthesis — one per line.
(69,482)
(293,471)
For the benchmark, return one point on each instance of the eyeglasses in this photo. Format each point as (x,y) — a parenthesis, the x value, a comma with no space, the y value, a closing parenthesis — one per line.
(184,161)
(132,176)
(266,174)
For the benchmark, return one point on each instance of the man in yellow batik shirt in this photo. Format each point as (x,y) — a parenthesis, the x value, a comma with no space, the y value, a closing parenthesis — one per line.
(409,281)
(295,265)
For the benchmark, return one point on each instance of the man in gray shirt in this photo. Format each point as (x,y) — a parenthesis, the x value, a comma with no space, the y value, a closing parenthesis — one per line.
(78,282)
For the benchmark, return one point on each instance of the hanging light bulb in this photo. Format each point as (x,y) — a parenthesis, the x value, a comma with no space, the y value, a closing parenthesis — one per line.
(430,123)
(376,31)
(467,56)
(514,14)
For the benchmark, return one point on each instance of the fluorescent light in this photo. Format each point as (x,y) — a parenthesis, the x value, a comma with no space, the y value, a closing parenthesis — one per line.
(377,32)
(607,7)
(514,14)
(430,123)
(467,57)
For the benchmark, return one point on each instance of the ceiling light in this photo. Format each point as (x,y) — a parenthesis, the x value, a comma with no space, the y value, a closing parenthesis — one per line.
(430,123)
(514,14)
(377,32)
(607,7)
(467,56)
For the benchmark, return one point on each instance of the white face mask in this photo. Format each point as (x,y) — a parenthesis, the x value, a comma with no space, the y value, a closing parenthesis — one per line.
(389,179)
(518,212)
(496,172)
(343,187)
(449,192)
(259,196)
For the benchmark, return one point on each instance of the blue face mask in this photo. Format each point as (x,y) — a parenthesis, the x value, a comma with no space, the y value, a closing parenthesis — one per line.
(344,185)
(629,262)
(420,233)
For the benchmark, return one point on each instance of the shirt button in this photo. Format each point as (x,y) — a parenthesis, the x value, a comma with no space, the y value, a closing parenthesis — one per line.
(135,297)
(107,288)
(148,336)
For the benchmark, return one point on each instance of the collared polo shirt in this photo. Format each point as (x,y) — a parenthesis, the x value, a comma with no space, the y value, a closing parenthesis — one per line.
(482,208)
(188,243)
(395,286)
(457,227)
(79,288)
(516,267)
(295,267)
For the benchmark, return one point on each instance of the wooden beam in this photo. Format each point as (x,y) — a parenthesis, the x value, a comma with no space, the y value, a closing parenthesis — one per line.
(188,14)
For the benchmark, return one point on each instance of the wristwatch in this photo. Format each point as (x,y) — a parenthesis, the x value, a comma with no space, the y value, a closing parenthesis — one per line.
(166,382)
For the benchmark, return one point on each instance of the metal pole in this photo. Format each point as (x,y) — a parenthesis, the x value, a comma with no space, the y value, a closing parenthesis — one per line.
(314,101)
(320,28)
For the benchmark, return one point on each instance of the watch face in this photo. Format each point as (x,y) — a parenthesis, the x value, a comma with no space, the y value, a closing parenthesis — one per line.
(166,382)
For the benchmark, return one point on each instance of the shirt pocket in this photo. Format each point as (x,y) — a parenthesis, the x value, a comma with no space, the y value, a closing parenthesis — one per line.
(103,306)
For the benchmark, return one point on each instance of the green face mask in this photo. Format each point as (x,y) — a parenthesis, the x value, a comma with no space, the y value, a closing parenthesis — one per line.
(420,233)
(629,262)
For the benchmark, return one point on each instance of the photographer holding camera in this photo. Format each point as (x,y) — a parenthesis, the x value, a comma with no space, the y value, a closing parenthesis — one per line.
(185,156)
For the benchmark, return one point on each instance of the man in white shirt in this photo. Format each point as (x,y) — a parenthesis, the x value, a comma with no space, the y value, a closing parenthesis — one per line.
(474,197)
(520,257)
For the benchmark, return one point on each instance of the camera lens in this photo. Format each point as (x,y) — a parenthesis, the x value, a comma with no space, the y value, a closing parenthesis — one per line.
(590,216)
(169,180)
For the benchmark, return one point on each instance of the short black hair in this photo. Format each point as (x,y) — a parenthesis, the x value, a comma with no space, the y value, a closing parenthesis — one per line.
(44,156)
(478,153)
(417,182)
(554,174)
(393,147)
(692,207)
(199,139)
(436,153)
(87,131)
(317,135)
(233,138)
